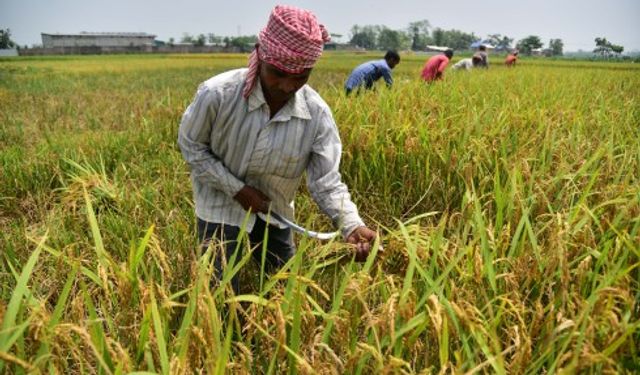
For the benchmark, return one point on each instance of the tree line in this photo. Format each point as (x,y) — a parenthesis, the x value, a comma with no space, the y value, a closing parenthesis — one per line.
(5,39)
(417,36)
(242,42)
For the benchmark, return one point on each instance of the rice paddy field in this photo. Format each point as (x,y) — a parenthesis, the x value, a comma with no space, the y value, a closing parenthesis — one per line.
(507,202)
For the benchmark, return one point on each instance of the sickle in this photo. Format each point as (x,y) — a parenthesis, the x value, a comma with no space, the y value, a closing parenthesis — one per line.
(299,229)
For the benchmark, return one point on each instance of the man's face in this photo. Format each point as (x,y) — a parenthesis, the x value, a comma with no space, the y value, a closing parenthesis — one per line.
(278,85)
(392,63)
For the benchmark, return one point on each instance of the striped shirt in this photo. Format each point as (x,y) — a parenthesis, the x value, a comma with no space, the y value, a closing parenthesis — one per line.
(229,141)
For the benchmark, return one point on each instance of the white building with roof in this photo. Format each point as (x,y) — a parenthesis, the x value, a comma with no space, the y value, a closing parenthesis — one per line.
(89,39)
(8,52)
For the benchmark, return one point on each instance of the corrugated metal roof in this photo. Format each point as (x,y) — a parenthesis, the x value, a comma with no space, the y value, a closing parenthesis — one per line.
(86,33)
(479,43)
(438,48)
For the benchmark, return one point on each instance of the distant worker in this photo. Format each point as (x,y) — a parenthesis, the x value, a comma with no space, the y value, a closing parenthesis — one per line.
(434,68)
(511,59)
(366,74)
(482,55)
(468,63)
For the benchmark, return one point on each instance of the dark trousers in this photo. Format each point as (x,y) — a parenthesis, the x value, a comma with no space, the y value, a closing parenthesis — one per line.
(279,246)
(368,85)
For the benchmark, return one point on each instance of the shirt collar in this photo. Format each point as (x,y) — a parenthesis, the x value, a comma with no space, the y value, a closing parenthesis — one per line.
(295,107)
(383,62)
(256,98)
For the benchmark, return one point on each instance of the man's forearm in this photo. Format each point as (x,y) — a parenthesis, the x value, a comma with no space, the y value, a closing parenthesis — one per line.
(206,167)
(337,204)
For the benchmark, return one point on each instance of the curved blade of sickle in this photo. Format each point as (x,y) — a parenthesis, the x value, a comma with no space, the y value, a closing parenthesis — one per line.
(299,229)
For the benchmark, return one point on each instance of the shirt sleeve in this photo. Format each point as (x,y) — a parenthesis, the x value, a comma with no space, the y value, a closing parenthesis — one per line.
(194,139)
(443,65)
(386,74)
(324,180)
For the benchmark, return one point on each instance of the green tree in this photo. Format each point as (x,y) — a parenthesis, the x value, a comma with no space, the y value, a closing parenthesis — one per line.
(415,37)
(244,43)
(5,39)
(186,38)
(528,44)
(501,42)
(602,47)
(457,40)
(392,39)
(617,49)
(454,39)
(364,36)
(438,37)
(556,46)
(214,39)
(200,40)
(419,32)
(606,49)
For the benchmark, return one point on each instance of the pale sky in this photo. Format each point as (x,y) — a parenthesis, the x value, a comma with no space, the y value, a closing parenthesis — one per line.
(576,22)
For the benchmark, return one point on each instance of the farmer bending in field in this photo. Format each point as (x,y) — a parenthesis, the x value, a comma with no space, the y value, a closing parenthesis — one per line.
(250,134)
(366,74)
(511,59)
(467,64)
(434,68)
(482,55)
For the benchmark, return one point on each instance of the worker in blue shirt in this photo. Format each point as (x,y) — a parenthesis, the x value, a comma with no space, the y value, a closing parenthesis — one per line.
(365,75)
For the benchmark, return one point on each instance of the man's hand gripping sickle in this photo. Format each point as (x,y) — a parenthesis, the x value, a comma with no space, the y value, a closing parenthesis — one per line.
(252,199)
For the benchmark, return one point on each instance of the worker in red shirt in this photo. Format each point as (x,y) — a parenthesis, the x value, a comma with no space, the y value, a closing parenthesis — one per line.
(511,59)
(434,68)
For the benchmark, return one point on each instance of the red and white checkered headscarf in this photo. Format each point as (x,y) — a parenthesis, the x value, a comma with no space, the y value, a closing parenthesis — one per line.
(292,41)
